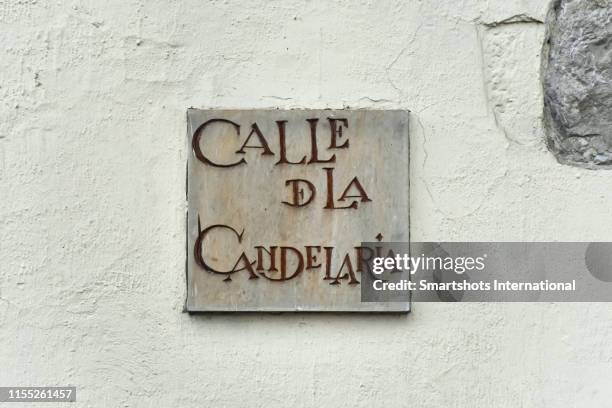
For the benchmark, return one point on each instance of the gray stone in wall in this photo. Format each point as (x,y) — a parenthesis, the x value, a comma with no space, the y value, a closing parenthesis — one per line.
(577,77)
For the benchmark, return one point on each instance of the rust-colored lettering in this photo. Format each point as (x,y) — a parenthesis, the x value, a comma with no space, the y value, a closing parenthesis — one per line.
(362,194)
(248,265)
(336,133)
(199,255)
(262,140)
(312,258)
(299,199)
(349,274)
(197,150)
(329,204)
(272,256)
(284,250)
(314,151)
(328,262)
(283,145)
(362,259)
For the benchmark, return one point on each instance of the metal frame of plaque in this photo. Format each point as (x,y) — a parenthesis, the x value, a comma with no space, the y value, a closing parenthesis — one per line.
(280,202)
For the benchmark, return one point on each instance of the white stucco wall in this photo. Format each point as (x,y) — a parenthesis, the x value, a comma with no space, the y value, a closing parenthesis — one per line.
(93,97)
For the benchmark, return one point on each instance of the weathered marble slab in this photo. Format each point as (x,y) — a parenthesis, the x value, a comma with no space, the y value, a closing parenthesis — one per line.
(279,202)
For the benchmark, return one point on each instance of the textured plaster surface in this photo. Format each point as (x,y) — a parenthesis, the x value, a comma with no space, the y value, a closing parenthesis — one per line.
(92,202)
(577,71)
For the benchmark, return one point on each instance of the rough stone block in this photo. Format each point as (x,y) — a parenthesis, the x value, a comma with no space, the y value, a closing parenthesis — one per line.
(577,76)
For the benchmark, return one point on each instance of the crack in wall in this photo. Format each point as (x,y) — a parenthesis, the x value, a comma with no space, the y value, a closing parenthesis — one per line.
(515,19)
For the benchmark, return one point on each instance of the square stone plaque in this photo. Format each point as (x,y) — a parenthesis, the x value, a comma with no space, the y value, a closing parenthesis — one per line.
(280,201)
